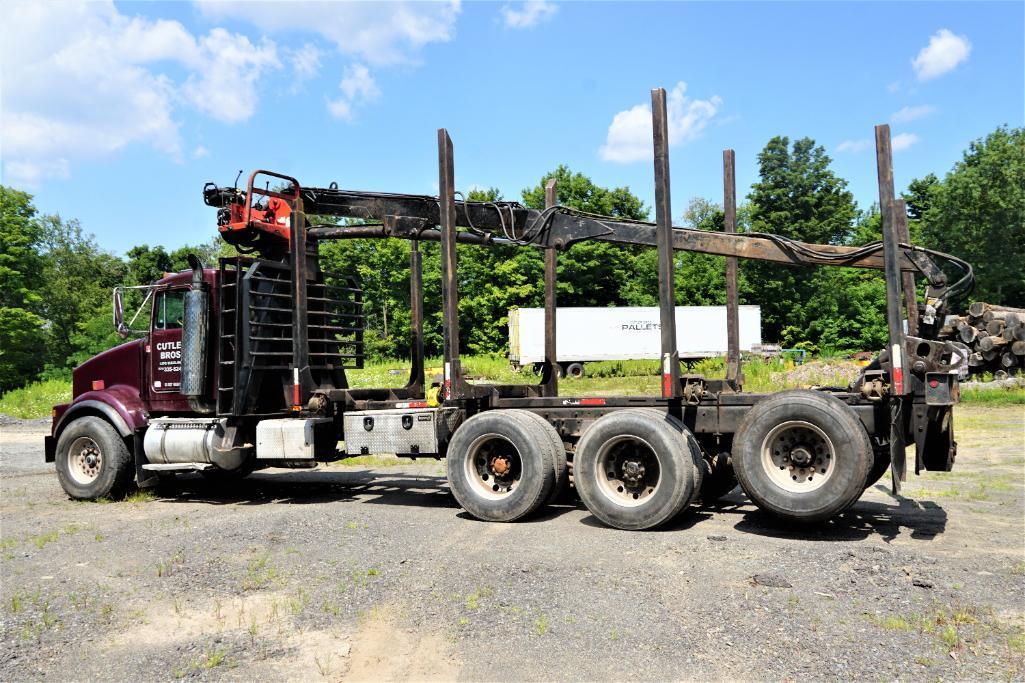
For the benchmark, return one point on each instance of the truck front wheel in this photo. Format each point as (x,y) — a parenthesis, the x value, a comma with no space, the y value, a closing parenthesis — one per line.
(93,461)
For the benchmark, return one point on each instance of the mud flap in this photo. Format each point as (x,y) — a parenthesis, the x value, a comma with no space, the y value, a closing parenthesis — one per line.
(144,479)
(934,438)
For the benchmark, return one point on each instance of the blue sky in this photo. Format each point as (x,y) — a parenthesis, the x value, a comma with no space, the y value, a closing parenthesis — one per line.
(116,114)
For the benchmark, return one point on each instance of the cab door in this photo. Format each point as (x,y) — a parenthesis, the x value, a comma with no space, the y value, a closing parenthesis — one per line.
(165,347)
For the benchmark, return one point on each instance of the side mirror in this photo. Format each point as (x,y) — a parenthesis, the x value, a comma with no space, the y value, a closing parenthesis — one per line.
(124,329)
(119,314)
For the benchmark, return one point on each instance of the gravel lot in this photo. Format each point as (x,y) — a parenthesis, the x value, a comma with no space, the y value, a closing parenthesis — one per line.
(355,573)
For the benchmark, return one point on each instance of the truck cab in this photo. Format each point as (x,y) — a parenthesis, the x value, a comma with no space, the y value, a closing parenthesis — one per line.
(117,392)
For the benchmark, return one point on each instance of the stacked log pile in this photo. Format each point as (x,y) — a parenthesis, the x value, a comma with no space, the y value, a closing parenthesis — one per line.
(995,335)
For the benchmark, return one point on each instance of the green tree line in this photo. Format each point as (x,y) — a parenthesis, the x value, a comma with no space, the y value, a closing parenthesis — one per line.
(56,281)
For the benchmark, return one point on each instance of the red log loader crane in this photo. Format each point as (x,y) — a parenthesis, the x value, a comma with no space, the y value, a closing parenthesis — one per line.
(244,365)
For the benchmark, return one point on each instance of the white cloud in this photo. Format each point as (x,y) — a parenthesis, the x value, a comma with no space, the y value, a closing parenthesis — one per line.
(200,152)
(358,83)
(30,174)
(893,87)
(357,86)
(903,141)
(853,146)
(906,114)
(944,52)
(375,32)
(227,72)
(629,135)
(305,61)
(530,14)
(340,109)
(83,81)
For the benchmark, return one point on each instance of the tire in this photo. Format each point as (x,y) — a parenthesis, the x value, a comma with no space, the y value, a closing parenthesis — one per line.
(558,454)
(659,453)
(787,441)
(880,466)
(694,452)
(500,465)
(575,370)
(719,479)
(93,461)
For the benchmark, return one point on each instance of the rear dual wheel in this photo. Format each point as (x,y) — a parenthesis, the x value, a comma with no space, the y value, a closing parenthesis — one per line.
(637,469)
(503,465)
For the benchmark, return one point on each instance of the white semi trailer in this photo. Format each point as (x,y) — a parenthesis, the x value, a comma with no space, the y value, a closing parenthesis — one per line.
(625,333)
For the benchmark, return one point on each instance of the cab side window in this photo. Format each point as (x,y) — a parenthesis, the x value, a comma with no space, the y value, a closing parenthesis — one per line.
(169,310)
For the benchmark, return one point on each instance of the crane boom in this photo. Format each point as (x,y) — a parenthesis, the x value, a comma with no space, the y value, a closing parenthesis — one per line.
(411,216)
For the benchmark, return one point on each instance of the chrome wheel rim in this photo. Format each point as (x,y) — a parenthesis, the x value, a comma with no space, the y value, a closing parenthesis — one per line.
(798,457)
(628,471)
(493,467)
(84,460)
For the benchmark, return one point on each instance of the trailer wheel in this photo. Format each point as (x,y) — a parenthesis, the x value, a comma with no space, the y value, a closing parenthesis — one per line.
(558,453)
(575,370)
(93,461)
(802,455)
(500,465)
(636,469)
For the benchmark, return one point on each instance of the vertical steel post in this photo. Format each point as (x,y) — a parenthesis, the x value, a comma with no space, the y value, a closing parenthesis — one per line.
(301,376)
(416,318)
(891,254)
(550,376)
(884,163)
(889,209)
(908,279)
(664,240)
(449,281)
(729,205)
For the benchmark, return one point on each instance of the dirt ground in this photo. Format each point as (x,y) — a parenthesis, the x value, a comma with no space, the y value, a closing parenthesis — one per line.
(350,573)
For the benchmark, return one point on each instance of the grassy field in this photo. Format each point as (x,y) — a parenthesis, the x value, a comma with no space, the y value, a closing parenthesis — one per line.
(607,378)
(35,400)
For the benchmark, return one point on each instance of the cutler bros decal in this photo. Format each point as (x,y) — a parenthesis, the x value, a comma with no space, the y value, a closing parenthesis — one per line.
(169,365)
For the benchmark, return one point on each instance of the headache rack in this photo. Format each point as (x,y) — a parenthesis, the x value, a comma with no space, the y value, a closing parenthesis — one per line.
(258,332)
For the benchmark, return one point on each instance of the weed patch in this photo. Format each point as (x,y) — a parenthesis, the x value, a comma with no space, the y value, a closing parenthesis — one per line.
(170,565)
(35,400)
(260,574)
